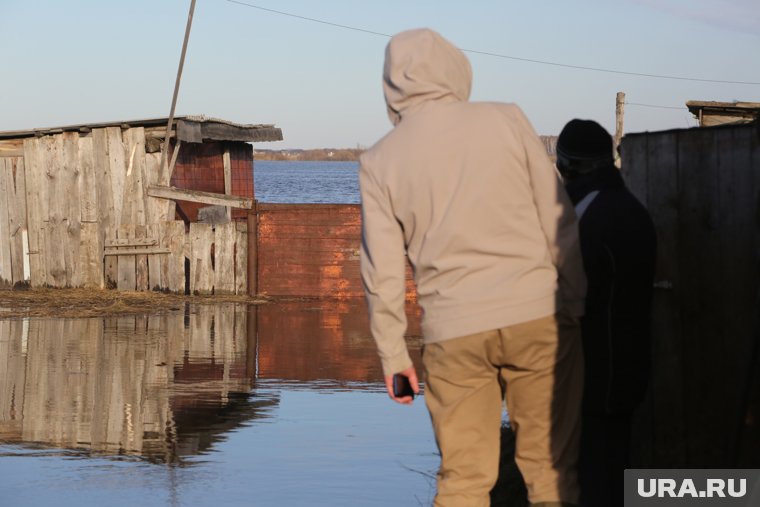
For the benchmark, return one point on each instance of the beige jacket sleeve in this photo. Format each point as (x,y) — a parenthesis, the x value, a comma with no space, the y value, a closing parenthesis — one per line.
(558,221)
(383,268)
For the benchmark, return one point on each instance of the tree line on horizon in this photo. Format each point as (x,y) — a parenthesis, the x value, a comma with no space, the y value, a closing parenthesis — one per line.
(352,154)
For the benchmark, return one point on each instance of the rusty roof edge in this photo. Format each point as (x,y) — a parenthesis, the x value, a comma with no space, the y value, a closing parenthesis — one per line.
(150,122)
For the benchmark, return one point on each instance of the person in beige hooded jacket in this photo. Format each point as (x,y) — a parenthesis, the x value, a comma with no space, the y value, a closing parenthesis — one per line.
(468,193)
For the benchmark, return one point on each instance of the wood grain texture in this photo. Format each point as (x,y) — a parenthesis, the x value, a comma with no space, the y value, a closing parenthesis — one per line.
(311,250)
(224,258)
(6,268)
(17,221)
(201,267)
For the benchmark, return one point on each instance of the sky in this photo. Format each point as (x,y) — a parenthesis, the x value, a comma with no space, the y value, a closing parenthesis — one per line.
(84,61)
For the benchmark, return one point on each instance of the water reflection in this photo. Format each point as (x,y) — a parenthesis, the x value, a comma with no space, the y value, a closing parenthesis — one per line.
(325,341)
(159,387)
(164,387)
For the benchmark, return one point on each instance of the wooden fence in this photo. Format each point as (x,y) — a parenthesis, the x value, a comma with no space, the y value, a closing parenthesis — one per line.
(702,188)
(310,250)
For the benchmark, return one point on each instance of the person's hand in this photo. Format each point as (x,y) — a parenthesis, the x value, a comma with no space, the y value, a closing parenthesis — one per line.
(409,373)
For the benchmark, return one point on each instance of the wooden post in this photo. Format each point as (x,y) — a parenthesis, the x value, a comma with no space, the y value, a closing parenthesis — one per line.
(253,251)
(227,178)
(619,111)
(176,84)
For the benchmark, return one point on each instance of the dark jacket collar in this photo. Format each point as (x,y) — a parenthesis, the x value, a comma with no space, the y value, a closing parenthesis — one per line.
(580,186)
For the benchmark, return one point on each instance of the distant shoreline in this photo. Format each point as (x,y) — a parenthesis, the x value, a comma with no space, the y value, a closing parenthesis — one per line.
(322,154)
(352,154)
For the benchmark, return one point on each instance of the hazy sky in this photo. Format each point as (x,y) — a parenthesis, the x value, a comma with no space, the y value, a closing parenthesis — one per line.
(84,61)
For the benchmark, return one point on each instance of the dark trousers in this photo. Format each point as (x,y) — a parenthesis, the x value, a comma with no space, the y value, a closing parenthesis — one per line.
(604,455)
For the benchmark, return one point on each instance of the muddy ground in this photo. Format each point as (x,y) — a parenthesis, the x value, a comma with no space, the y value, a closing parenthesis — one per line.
(96,303)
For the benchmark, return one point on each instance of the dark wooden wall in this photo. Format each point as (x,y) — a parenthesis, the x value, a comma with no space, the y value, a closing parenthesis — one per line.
(702,188)
(311,250)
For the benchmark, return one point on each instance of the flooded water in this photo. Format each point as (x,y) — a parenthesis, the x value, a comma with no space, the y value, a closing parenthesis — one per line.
(231,405)
(306,182)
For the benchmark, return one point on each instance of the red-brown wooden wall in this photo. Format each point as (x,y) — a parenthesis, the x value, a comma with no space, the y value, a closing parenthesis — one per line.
(311,250)
(201,167)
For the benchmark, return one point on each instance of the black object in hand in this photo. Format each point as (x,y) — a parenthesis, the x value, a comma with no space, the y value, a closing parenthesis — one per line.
(401,386)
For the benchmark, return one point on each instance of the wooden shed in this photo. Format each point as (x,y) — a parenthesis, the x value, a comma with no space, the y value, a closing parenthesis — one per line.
(702,188)
(710,113)
(89,205)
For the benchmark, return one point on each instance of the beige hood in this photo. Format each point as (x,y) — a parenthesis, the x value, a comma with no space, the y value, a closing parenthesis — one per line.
(422,66)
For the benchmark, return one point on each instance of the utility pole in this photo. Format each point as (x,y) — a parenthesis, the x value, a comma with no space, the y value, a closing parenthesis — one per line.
(164,169)
(619,111)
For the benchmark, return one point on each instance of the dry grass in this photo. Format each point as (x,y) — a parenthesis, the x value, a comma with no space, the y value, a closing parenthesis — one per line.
(97,303)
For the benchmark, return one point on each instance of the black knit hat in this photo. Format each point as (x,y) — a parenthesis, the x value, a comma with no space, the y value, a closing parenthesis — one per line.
(583,140)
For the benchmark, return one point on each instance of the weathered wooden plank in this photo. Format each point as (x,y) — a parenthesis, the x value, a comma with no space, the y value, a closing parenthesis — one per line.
(147,241)
(106,211)
(189,131)
(127,279)
(133,210)
(224,258)
(156,209)
(154,260)
(110,264)
(173,265)
(6,269)
(117,169)
(202,197)
(201,270)
(35,197)
(241,258)
(141,261)
(137,251)
(11,148)
(224,132)
(56,236)
(90,206)
(166,173)
(227,177)
(102,169)
(56,241)
(70,186)
(17,222)
(91,256)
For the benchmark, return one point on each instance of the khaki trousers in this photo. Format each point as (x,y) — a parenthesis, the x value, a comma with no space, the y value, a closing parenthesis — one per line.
(539,365)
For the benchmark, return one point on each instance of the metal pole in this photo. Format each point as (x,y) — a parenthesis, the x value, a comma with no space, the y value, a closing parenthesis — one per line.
(164,169)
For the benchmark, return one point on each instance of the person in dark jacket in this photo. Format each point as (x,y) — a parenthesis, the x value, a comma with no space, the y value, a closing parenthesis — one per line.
(618,245)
